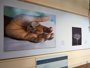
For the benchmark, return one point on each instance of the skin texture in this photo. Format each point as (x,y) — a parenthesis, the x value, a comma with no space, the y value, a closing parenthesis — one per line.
(17,29)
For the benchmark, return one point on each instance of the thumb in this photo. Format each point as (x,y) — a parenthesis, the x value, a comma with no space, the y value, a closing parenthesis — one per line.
(44,18)
(24,19)
(38,18)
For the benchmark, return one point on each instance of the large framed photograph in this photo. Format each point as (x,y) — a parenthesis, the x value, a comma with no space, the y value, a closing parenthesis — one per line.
(26,29)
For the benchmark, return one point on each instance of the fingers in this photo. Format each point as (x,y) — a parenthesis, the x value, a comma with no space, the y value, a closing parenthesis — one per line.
(51,36)
(39,38)
(39,30)
(29,36)
(46,36)
(34,38)
(48,30)
(42,28)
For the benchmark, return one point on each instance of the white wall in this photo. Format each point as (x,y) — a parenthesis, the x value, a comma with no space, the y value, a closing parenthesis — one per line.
(64,23)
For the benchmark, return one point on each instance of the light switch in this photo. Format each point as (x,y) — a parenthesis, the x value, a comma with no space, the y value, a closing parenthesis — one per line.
(62,42)
(85,41)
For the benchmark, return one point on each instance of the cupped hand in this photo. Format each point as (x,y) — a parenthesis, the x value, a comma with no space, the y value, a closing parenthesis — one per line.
(17,28)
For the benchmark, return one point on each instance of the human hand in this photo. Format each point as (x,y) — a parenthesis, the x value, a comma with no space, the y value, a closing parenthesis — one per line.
(17,29)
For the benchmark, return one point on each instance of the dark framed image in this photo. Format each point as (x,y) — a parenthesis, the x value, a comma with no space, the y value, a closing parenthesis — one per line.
(76,36)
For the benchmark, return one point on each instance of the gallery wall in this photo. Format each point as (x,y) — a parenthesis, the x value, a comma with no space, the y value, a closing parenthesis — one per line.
(64,23)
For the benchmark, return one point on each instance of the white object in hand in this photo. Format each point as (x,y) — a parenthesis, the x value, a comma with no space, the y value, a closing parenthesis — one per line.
(32,27)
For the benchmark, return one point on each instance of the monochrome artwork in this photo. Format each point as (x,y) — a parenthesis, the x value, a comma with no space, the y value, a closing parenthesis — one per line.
(76,36)
(26,29)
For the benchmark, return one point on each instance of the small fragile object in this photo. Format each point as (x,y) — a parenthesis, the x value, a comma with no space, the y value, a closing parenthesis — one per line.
(32,27)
